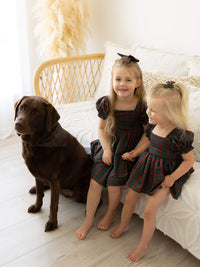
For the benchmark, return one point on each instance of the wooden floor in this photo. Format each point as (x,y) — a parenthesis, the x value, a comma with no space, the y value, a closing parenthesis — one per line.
(24,243)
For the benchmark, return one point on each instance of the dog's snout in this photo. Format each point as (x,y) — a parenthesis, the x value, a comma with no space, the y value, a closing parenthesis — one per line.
(18,125)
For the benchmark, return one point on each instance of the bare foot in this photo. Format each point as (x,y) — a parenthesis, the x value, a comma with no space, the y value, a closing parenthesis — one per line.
(118,232)
(83,230)
(105,223)
(137,254)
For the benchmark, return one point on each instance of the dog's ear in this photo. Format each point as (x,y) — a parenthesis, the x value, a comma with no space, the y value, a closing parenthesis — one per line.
(52,116)
(16,105)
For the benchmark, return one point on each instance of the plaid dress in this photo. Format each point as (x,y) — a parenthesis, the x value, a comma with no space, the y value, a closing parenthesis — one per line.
(129,130)
(161,158)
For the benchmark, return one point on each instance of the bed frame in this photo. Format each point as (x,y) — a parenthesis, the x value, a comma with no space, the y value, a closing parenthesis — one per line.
(69,79)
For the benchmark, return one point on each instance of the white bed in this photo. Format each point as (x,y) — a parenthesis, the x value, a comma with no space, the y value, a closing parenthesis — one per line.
(178,219)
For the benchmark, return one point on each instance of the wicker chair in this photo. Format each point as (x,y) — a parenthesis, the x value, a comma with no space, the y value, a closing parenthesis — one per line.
(69,79)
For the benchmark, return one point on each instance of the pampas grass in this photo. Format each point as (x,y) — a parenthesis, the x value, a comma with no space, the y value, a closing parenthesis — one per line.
(62,27)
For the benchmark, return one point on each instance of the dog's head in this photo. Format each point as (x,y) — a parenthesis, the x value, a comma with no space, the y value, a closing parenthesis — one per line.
(34,116)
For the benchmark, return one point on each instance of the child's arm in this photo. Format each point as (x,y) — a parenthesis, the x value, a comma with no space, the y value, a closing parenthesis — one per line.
(105,143)
(188,161)
(139,148)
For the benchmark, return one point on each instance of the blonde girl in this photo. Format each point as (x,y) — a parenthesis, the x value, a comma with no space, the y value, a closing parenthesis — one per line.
(165,166)
(122,117)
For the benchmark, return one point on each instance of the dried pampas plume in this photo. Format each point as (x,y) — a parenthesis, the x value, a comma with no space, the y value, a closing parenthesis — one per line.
(62,27)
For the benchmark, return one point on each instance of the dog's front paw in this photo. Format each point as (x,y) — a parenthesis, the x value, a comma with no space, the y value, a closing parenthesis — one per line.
(33,209)
(50,226)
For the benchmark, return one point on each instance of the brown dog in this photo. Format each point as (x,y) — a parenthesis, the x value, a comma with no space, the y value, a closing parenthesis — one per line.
(52,155)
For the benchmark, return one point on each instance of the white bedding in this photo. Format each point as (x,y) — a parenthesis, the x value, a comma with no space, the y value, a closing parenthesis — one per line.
(179,219)
(80,119)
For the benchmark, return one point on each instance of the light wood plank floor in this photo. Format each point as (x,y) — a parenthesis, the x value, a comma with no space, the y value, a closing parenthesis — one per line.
(24,243)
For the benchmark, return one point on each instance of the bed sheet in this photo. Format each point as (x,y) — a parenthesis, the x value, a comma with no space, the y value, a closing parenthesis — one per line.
(80,119)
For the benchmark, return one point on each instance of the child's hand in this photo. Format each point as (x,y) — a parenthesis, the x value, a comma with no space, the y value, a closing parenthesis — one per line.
(107,157)
(129,155)
(168,182)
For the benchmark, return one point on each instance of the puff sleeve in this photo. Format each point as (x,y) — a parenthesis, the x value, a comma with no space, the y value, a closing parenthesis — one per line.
(102,106)
(182,141)
(149,129)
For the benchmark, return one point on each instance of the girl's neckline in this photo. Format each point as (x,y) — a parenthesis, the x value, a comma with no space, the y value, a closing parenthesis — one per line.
(166,135)
(128,110)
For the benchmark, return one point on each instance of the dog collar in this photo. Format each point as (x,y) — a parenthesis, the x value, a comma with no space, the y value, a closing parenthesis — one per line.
(56,139)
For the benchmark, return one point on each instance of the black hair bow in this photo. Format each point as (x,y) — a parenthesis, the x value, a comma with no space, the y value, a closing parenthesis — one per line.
(132,58)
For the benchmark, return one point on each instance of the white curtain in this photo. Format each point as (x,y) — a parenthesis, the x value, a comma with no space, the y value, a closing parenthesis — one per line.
(11,63)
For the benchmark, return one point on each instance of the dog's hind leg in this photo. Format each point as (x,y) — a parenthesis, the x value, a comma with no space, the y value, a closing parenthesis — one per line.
(39,196)
(52,222)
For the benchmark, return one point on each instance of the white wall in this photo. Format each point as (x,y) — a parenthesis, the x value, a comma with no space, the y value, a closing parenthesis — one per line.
(172,25)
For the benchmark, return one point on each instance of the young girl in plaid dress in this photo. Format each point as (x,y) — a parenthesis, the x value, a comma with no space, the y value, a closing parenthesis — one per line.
(165,165)
(122,117)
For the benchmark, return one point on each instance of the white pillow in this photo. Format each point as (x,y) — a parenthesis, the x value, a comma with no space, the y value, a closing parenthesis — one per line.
(150,78)
(194,108)
(194,89)
(194,66)
(111,51)
(154,60)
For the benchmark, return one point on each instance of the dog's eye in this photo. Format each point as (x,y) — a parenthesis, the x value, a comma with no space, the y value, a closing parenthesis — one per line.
(21,108)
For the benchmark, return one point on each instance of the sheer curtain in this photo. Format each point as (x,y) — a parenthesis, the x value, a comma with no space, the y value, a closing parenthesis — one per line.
(11,86)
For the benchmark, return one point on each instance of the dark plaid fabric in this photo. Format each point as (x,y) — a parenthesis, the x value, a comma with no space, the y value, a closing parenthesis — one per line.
(161,159)
(129,130)
(57,139)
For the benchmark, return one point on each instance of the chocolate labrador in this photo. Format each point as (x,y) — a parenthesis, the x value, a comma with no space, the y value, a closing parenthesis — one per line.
(54,157)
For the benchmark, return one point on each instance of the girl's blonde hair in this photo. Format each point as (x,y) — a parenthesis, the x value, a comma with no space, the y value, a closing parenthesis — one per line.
(124,61)
(173,102)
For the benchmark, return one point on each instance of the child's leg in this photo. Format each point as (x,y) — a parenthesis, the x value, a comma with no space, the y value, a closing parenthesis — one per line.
(114,197)
(153,204)
(127,211)
(93,199)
